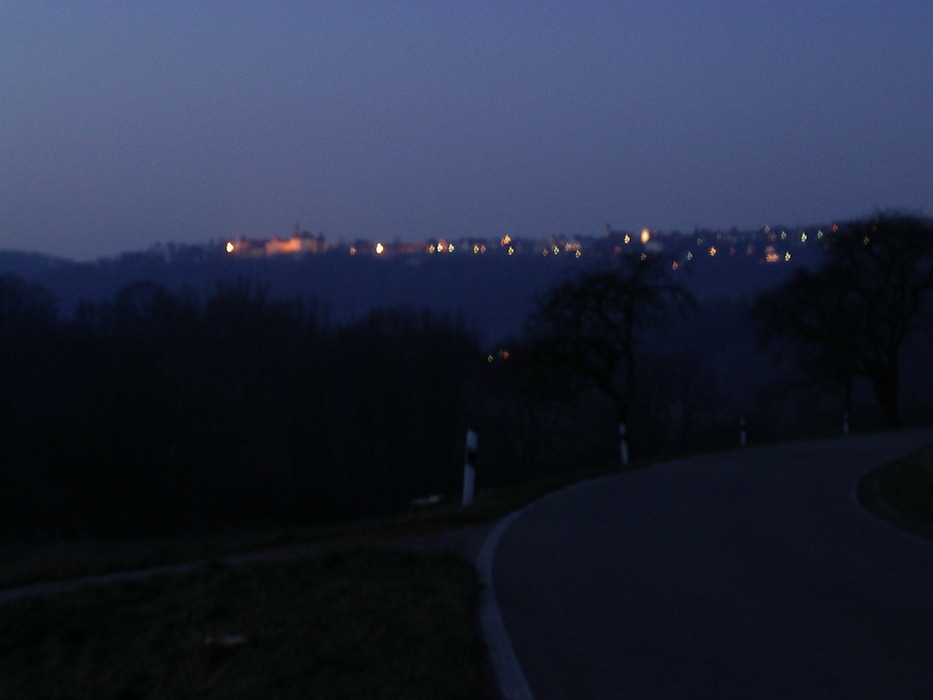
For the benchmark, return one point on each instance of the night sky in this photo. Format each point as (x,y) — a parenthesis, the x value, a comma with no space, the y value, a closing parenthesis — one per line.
(126,124)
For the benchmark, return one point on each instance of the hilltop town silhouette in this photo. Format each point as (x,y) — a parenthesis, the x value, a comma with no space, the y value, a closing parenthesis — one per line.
(770,244)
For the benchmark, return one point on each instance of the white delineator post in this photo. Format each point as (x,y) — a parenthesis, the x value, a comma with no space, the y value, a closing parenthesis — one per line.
(623,445)
(469,468)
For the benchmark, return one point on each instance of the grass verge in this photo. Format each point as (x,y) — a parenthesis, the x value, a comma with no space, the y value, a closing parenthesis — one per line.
(361,624)
(55,561)
(902,492)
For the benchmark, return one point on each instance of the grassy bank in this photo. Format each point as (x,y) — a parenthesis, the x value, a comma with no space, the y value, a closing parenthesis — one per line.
(360,624)
(24,564)
(354,622)
(906,485)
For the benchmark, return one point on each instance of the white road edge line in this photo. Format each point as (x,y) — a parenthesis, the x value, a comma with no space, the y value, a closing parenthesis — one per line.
(509,674)
(511,679)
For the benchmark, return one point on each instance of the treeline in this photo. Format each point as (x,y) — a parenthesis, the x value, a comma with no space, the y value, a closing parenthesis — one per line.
(158,412)
(162,412)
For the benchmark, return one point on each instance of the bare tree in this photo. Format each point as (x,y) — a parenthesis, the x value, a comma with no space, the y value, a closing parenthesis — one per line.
(804,315)
(850,317)
(588,328)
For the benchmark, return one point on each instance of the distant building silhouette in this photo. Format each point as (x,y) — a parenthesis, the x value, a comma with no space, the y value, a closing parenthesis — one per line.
(299,242)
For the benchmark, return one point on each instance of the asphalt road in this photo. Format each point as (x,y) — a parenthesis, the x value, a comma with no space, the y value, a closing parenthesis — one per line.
(749,574)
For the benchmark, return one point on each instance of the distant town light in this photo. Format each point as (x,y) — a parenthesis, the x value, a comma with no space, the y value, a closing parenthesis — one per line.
(709,244)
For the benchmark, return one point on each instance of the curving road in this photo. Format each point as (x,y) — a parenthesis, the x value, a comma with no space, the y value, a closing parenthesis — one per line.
(753,573)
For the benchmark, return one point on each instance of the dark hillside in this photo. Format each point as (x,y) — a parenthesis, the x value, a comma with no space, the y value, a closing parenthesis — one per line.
(495,292)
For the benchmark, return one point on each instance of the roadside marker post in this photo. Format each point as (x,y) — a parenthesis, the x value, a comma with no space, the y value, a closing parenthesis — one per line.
(623,444)
(469,468)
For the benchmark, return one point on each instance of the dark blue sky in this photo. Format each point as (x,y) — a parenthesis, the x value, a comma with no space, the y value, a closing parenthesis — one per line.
(124,124)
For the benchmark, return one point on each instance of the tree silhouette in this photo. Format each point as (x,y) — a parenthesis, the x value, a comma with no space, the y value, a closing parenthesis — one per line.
(851,316)
(807,314)
(30,367)
(587,329)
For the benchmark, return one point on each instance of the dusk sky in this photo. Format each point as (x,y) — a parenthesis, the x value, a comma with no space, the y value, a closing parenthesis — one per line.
(126,124)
